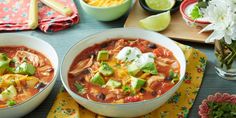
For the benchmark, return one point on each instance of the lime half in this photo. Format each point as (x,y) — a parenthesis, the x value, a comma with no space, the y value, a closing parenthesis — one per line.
(160,4)
(157,22)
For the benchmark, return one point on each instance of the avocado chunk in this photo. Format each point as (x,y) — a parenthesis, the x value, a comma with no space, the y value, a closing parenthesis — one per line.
(26,69)
(4,63)
(133,69)
(9,93)
(113,84)
(137,83)
(97,79)
(105,69)
(150,68)
(103,55)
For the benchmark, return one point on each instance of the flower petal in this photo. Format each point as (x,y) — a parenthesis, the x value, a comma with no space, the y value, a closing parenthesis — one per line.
(216,35)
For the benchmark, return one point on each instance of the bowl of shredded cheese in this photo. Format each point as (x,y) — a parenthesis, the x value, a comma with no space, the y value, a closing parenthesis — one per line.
(106,10)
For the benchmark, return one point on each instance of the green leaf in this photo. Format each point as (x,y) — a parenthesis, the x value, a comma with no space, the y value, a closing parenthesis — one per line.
(196,13)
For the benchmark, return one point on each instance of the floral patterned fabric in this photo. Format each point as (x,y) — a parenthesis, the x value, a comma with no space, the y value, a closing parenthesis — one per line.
(180,103)
(14,16)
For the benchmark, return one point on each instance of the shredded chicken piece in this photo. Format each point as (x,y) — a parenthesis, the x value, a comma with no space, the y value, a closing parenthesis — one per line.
(153,79)
(81,66)
(46,68)
(33,58)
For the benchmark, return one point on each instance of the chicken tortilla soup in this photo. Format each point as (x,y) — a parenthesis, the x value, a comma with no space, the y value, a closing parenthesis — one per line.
(23,73)
(123,71)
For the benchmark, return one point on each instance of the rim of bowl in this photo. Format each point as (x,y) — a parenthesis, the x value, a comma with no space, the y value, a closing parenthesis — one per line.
(101,103)
(153,11)
(54,78)
(126,1)
(184,5)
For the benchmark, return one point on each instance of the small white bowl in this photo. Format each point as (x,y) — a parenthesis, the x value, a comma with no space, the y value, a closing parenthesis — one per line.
(11,39)
(127,109)
(189,21)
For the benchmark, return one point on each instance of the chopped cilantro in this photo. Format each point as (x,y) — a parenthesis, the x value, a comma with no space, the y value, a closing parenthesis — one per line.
(79,87)
(196,13)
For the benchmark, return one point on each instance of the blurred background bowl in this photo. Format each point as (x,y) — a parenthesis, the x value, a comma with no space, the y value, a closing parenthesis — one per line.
(106,13)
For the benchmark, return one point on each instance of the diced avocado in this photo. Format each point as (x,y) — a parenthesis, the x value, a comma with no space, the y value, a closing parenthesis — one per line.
(113,84)
(137,83)
(150,68)
(133,69)
(103,55)
(79,87)
(97,79)
(105,69)
(4,63)
(9,93)
(26,69)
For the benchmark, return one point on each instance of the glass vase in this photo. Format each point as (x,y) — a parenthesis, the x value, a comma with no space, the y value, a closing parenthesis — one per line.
(225,59)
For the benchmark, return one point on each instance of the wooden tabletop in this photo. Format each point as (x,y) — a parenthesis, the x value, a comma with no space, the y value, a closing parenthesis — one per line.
(63,40)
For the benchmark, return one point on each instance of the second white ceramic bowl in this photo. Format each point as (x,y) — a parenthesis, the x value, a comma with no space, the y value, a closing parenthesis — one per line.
(128,109)
(11,39)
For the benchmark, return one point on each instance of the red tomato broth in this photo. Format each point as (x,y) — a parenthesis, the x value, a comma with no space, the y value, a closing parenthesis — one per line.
(10,51)
(118,95)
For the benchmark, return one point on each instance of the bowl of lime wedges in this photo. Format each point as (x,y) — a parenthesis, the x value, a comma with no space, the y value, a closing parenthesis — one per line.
(160,6)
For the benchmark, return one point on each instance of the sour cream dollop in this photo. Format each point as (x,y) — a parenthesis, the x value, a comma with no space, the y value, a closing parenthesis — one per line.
(134,55)
(128,54)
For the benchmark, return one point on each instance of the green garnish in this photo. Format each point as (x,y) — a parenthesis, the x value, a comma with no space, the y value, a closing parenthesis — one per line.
(126,89)
(196,13)
(80,88)
(172,74)
(11,103)
(222,110)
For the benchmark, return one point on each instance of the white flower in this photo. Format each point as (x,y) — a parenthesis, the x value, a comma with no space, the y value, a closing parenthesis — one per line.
(221,14)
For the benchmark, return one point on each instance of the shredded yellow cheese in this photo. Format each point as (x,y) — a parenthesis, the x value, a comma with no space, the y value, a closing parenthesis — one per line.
(104,3)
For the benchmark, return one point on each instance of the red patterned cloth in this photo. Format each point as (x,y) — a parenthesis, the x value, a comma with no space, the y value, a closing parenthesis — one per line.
(14,16)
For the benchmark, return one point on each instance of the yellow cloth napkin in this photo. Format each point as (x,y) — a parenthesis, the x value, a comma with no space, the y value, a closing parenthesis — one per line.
(177,106)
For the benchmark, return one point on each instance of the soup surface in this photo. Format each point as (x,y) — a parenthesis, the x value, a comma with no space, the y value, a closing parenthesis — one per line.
(123,70)
(23,73)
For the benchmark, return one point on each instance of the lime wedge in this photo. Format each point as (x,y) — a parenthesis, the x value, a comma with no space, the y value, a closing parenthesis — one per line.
(160,4)
(157,22)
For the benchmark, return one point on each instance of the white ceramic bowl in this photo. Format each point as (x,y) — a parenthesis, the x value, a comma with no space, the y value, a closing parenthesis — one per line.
(128,109)
(11,39)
